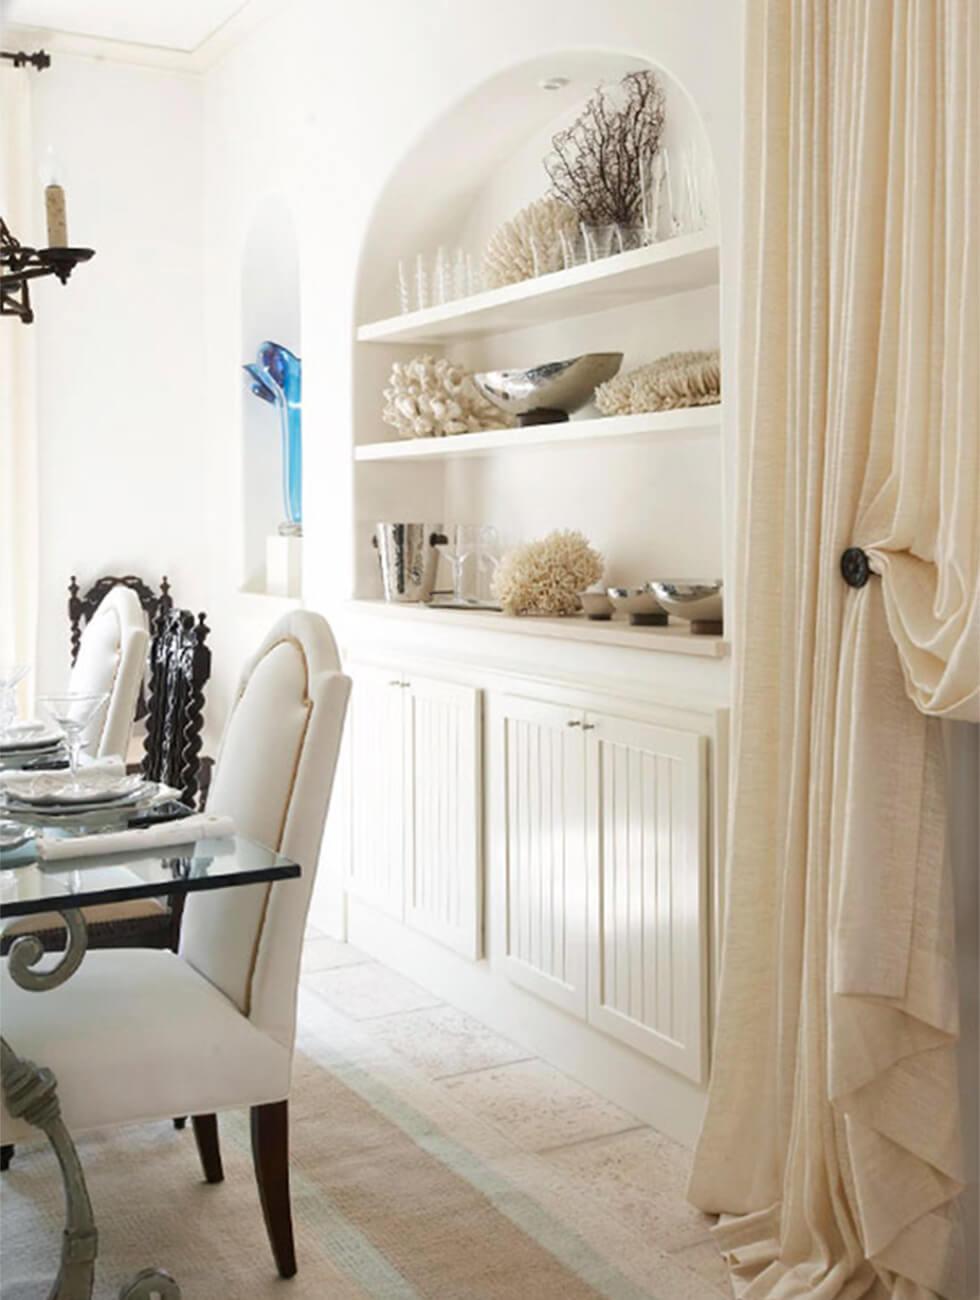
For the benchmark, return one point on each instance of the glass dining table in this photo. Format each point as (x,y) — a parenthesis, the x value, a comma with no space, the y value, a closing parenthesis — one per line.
(30,887)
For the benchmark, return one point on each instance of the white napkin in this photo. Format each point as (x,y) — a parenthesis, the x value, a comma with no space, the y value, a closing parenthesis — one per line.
(111,763)
(201,826)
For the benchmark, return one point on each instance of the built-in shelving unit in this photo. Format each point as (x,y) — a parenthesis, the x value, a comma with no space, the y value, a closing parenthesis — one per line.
(671,266)
(601,429)
(674,639)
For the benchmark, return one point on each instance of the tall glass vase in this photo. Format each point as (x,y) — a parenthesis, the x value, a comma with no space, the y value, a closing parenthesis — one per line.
(276,377)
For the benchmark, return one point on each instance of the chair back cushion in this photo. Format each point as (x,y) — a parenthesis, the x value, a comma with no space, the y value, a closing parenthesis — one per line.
(273,776)
(111,659)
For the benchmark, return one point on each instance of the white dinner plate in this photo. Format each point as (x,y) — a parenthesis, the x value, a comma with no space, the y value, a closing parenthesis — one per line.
(29,736)
(50,789)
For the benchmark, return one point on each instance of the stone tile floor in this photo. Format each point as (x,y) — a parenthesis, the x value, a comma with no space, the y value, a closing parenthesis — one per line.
(581,1145)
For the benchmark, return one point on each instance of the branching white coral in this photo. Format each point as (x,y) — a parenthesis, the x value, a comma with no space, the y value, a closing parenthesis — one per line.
(678,379)
(426,398)
(546,576)
(530,243)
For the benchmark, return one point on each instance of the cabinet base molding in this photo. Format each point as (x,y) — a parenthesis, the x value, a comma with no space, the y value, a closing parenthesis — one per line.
(653,1093)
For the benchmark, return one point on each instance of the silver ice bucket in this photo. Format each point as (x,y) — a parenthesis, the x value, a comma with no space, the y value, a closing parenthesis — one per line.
(407,555)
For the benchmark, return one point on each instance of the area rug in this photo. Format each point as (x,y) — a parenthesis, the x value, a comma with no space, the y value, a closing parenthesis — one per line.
(396,1193)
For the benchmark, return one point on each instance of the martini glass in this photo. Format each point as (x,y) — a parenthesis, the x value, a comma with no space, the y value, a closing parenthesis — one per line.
(457,552)
(10,676)
(73,712)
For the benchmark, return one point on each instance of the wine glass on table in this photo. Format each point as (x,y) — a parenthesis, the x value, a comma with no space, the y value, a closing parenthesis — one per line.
(11,675)
(73,712)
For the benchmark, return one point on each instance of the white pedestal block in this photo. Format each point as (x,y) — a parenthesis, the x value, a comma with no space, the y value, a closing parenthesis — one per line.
(284,566)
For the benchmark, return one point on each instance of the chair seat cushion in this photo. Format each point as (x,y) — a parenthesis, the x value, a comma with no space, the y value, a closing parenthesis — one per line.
(139,1035)
(134,909)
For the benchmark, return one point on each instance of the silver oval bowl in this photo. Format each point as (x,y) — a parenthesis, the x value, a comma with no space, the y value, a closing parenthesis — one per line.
(699,600)
(549,392)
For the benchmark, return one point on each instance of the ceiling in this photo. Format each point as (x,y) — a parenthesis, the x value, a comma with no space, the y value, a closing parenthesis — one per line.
(180,25)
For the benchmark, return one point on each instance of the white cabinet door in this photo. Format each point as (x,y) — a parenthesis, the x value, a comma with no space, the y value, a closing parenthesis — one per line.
(379,788)
(536,822)
(647,895)
(444,860)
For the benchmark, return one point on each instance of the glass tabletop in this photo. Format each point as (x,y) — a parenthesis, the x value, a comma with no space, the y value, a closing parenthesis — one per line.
(28,886)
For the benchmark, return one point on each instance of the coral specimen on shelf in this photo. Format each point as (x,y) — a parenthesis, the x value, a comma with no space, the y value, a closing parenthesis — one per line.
(547,576)
(598,164)
(677,379)
(530,243)
(429,398)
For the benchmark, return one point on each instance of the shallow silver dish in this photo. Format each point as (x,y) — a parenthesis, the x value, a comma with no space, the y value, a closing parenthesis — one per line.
(549,393)
(641,606)
(698,600)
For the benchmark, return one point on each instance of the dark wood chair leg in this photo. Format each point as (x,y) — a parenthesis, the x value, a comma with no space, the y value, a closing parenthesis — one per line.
(180,1122)
(208,1146)
(270,1155)
(6,1155)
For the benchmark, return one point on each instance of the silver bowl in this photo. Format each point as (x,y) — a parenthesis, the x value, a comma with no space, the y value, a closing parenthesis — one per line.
(698,600)
(643,608)
(548,394)
(597,605)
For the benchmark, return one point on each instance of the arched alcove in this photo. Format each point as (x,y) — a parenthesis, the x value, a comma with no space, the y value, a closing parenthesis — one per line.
(270,310)
(654,505)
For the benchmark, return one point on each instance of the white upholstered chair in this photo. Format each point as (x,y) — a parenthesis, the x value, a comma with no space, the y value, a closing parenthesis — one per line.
(112,660)
(138,1035)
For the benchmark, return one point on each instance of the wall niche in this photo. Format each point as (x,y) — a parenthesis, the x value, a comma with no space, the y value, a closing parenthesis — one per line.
(270,311)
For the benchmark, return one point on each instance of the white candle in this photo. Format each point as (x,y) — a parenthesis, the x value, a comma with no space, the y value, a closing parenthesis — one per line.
(54,204)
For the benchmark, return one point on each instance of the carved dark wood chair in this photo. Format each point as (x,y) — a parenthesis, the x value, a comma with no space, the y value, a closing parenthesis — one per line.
(180,666)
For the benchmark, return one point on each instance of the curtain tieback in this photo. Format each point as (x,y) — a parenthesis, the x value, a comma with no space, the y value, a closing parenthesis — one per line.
(855,566)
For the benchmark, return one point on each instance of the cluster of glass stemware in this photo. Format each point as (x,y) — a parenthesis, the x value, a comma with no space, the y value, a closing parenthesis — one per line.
(71,712)
(449,277)
(481,543)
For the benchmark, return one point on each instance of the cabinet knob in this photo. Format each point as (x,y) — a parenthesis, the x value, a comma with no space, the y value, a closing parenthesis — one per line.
(573,723)
(396,683)
(588,726)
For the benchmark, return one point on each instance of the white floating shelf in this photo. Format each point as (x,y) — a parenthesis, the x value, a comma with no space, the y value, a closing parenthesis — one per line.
(674,639)
(601,429)
(672,266)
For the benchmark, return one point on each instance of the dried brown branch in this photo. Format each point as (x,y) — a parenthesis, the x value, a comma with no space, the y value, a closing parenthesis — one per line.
(597,164)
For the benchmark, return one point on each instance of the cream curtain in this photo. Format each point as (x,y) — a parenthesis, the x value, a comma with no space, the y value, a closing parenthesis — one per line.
(831,1142)
(18,428)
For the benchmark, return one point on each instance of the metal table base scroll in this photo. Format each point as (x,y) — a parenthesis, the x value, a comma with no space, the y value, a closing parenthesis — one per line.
(31,1093)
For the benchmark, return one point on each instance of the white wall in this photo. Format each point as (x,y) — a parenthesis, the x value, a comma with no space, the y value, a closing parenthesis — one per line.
(120,374)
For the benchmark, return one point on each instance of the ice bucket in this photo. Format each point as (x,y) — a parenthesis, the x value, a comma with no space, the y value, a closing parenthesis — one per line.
(407,555)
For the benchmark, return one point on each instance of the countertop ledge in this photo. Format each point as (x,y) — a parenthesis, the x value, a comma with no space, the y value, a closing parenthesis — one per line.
(674,639)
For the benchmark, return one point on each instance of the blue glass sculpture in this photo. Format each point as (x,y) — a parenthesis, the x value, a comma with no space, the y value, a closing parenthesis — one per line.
(276,377)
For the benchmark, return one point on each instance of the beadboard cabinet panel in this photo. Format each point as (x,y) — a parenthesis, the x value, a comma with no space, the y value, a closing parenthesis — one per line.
(444,879)
(646,789)
(379,790)
(537,806)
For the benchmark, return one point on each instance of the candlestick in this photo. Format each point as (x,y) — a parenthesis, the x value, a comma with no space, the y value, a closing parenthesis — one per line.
(54,203)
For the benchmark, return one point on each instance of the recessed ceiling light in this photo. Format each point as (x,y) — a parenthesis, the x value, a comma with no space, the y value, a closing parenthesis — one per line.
(553,83)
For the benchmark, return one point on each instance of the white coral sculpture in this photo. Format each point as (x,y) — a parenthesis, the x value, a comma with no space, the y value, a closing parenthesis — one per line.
(546,576)
(426,398)
(530,243)
(678,379)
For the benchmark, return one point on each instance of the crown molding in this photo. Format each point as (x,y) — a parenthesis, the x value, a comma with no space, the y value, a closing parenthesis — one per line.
(211,50)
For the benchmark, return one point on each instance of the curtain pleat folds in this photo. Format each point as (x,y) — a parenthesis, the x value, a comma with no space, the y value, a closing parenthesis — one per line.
(831,1143)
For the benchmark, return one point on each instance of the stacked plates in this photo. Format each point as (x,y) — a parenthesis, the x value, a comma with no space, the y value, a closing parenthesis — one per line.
(56,794)
(24,742)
